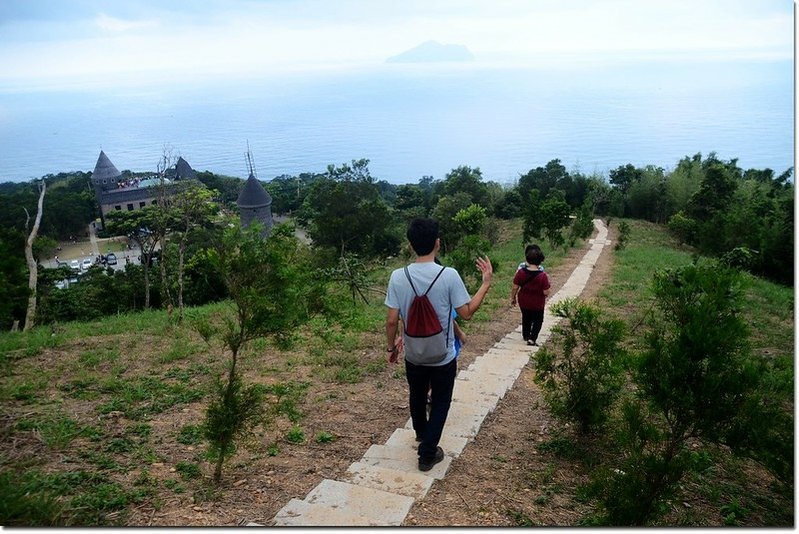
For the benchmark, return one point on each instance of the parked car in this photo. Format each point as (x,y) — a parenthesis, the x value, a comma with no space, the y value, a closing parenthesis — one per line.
(74,265)
(111,258)
(85,264)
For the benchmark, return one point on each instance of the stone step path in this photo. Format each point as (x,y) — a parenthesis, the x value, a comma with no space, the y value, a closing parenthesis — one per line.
(381,488)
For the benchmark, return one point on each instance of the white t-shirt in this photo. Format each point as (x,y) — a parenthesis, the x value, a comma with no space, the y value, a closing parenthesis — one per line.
(447,293)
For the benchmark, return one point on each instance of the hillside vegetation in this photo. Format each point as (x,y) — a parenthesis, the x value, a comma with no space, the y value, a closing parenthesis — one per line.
(264,357)
(102,420)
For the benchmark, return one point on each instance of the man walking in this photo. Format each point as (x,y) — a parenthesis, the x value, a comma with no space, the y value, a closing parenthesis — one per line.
(446,291)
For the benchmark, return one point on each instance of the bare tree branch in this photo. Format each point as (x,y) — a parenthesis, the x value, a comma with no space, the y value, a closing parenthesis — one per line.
(33,272)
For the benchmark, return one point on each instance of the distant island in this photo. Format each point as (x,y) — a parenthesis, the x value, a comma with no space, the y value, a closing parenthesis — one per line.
(432,52)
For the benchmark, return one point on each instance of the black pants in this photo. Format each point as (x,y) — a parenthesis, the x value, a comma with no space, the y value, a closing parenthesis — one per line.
(531,324)
(440,382)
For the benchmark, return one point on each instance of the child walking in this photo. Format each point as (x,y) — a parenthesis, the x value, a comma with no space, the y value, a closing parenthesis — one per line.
(531,286)
(527,249)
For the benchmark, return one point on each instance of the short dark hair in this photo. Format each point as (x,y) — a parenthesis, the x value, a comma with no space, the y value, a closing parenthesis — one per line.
(533,255)
(422,234)
(528,248)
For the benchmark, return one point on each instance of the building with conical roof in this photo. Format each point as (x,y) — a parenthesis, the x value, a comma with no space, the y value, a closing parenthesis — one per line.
(105,174)
(255,204)
(117,193)
(183,170)
(104,168)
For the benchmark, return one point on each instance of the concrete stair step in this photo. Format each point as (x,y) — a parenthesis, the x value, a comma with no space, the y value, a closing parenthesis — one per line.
(516,359)
(376,505)
(488,384)
(299,513)
(463,420)
(403,459)
(495,366)
(514,343)
(415,485)
(406,438)
(468,392)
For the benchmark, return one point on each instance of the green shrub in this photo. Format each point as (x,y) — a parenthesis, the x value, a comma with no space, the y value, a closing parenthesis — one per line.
(232,413)
(190,435)
(624,235)
(462,259)
(634,489)
(583,225)
(325,437)
(20,507)
(267,283)
(295,435)
(188,470)
(732,512)
(695,381)
(583,376)
(352,272)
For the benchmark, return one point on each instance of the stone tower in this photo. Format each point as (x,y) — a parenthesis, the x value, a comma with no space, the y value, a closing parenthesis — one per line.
(105,177)
(254,203)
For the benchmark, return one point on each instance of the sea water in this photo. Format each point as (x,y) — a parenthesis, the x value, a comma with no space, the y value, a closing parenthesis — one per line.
(414,121)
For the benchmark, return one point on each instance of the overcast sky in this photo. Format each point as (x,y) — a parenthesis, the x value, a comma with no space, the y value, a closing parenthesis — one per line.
(47,43)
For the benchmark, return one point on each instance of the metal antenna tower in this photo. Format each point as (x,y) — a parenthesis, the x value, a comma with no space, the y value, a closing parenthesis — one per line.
(250,164)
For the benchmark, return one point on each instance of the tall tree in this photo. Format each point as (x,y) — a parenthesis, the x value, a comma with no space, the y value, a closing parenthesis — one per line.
(543,179)
(531,218)
(554,218)
(33,268)
(164,218)
(268,284)
(445,211)
(193,206)
(137,226)
(344,211)
(13,279)
(625,176)
(412,201)
(714,194)
(465,179)
(646,198)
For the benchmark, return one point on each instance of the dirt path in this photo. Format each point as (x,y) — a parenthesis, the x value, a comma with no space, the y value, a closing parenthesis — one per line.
(93,239)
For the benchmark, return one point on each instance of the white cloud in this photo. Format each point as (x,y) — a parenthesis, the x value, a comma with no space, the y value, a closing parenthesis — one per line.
(112,24)
(252,37)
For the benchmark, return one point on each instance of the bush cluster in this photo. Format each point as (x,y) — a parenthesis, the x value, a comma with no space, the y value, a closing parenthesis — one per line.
(693,385)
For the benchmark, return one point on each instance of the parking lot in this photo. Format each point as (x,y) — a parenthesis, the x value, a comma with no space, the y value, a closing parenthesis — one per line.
(82,253)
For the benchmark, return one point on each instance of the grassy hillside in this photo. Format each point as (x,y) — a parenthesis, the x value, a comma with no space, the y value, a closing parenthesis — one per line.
(103,417)
(769,309)
(733,492)
(101,420)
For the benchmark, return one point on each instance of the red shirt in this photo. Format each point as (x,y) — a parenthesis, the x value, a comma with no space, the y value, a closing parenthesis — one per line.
(531,293)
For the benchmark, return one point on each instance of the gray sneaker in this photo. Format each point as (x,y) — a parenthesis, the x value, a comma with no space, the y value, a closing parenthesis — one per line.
(426,464)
